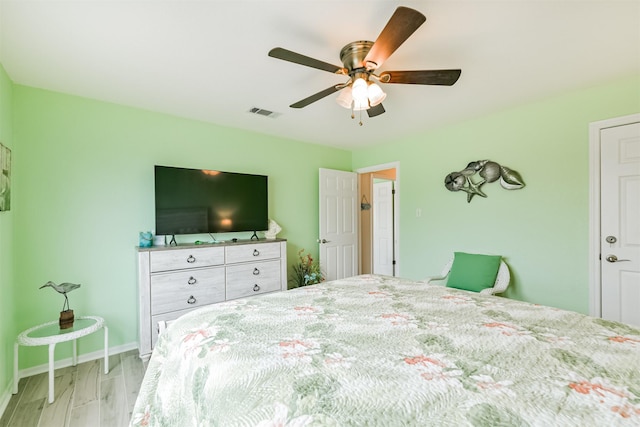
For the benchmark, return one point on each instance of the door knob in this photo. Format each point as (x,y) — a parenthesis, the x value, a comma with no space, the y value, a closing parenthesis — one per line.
(613,258)
(323,241)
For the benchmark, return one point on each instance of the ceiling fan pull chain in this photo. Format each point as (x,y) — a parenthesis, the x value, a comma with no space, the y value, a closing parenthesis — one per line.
(360,118)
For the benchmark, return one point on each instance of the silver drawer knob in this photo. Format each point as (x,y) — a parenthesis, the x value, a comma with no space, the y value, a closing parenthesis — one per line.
(192,280)
(256,271)
(256,252)
(191,259)
(191,300)
(256,288)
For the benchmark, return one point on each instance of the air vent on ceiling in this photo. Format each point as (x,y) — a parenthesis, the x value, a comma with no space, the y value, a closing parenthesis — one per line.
(263,112)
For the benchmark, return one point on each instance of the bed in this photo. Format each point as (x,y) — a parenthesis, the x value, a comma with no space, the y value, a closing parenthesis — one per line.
(374,350)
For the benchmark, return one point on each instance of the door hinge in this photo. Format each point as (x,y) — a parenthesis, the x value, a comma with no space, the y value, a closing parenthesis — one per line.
(393,262)
(393,191)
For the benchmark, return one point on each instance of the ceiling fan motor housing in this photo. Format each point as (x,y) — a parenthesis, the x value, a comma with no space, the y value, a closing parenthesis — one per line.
(353,54)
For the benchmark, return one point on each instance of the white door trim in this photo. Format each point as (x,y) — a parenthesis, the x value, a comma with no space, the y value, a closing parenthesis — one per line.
(595,285)
(396,205)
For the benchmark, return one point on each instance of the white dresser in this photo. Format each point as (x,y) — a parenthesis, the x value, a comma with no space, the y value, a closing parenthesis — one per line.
(175,280)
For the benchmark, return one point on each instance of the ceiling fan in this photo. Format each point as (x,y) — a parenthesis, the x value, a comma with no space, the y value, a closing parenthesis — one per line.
(362,58)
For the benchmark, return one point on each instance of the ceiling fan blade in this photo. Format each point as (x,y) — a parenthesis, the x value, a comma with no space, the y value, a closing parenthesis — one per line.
(422,77)
(403,23)
(316,97)
(375,111)
(296,58)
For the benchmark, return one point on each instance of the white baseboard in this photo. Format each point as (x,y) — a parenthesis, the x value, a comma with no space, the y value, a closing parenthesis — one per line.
(5,395)
(63,363)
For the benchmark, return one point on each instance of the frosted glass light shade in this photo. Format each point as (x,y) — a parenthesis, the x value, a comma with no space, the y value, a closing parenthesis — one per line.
(376,95)
(345,99)
(359,91)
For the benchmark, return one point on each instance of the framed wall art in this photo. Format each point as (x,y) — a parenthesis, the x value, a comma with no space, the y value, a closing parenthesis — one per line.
(5,178)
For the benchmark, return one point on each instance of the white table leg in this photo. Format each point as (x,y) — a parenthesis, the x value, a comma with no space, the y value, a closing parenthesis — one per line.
(106,349)
(74,356)
(15,368)
(52,348)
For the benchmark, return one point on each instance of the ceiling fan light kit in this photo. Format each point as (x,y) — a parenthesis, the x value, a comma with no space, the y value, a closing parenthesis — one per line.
(375,94)
(359,91)
(362,58)
(344,98)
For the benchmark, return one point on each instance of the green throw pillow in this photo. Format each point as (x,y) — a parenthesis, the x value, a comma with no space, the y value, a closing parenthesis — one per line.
(473,272)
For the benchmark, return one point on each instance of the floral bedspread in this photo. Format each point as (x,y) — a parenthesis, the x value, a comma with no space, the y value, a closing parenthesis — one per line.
(381,351)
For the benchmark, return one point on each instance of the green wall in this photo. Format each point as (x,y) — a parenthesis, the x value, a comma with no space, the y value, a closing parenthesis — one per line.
(84,184)
(83,189)
(7,282)
(542,230)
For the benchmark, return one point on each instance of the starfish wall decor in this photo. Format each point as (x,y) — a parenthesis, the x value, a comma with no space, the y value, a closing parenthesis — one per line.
(489,172)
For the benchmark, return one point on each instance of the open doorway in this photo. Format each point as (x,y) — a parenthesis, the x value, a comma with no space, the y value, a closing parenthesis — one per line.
(378,188)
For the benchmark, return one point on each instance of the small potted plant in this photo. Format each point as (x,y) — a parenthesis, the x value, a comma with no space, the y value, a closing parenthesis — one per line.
(66,315)
(306,271)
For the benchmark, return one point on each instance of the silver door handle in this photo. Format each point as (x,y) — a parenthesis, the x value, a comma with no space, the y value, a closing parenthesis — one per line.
(613,258)
(323,241)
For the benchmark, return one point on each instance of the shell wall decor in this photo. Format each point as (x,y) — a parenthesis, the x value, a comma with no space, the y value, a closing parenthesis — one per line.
(489,172)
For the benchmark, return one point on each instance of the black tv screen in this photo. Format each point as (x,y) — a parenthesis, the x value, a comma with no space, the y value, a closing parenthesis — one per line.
(193,201)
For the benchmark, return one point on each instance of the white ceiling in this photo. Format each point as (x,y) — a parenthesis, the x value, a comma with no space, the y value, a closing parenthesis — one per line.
(207,59)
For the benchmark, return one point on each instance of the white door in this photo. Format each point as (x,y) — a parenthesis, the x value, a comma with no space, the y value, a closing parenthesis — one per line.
(620,223)
(383,227)
(338,224)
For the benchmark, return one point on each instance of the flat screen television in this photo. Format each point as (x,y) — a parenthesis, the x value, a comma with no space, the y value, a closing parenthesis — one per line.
(193,201)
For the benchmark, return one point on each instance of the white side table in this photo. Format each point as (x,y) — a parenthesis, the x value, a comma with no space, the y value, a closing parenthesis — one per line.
(50,334)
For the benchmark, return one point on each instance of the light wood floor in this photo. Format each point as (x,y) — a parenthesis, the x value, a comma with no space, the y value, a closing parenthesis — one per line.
(84,395)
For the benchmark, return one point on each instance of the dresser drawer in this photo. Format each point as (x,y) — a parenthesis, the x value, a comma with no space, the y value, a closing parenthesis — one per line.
(252,252)
(253,278)
(185,258)
(186,289)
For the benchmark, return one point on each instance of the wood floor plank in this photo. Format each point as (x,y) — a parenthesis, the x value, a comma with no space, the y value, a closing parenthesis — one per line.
(87,415)
(63,371)
(84,395)
(88,383)
(27,414)
(13,403)
(133,372)
(113,403)
(37,388)
(57,413)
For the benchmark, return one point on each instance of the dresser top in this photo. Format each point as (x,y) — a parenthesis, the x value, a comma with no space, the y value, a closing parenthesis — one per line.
(208,244)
